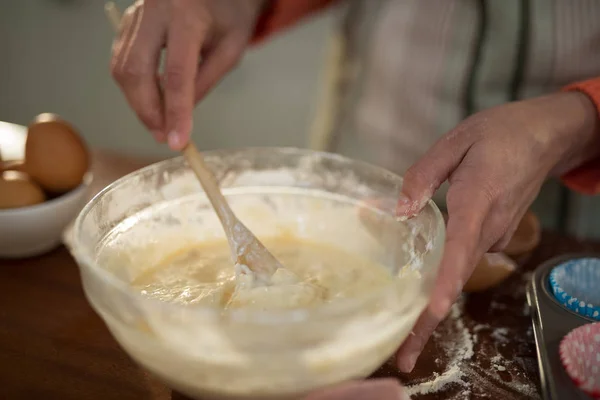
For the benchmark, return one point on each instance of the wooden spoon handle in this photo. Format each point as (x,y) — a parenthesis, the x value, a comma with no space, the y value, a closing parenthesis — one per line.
(210,185)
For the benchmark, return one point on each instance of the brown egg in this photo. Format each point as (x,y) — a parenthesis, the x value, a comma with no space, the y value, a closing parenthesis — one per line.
(18,190)
(55,155)
(491,271)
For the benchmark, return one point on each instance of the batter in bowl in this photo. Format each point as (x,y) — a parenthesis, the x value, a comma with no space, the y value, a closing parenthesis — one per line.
(156,267)
(315,274)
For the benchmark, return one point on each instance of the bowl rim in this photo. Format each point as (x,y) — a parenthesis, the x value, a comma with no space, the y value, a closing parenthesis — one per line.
(88,178)
(85,260)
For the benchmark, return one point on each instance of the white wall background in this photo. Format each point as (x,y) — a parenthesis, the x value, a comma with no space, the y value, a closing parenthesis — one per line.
(55,56)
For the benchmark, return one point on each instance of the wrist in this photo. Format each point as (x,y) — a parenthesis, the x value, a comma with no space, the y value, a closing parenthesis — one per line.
(573,119)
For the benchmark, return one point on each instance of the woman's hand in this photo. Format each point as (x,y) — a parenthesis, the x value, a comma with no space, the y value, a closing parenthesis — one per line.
(495,161)
(204,39)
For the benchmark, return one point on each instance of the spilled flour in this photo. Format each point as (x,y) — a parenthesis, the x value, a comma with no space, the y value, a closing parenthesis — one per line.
(459,351)
(453,375)
(473,364)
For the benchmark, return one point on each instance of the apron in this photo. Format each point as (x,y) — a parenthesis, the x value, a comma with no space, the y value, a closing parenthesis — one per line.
(422,66)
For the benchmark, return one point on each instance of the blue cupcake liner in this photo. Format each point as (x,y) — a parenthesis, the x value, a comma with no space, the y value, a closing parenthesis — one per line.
(576,285)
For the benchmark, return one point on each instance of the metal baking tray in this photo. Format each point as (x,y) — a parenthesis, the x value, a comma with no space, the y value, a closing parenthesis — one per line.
(551,322)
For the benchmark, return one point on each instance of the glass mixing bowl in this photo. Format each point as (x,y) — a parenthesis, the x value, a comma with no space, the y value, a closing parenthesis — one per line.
(208,353)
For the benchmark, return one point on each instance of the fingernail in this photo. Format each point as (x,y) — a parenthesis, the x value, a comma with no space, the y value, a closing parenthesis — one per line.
(407,364)
(175,141)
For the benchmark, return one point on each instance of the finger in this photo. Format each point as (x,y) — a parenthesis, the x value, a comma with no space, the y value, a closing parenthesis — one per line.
(411,348)
(467,210)
(136,72)
(217,63)
(525,237)
(185,39)
(381,389)
(506,237)
(507,226)
(424,177)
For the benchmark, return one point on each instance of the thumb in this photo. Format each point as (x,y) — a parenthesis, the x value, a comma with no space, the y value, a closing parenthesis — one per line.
(425,176)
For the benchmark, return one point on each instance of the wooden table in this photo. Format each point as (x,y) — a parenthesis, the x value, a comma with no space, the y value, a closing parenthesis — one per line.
(53,346)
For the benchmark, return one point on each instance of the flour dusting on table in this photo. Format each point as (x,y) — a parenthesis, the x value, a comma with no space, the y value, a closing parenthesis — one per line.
(460,343)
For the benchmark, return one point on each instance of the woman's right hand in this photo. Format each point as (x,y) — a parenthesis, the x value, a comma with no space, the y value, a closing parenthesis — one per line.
(204,39)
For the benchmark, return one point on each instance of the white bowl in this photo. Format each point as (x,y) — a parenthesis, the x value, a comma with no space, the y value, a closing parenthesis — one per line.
(34,230)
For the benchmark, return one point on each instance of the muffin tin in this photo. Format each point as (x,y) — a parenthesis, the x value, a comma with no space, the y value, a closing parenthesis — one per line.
(551,323)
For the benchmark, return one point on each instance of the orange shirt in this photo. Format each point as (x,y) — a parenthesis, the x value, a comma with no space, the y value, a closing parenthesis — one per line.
(281,14)
(586,178)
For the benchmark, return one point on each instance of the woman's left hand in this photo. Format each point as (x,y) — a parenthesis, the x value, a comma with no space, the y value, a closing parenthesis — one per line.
(496,162)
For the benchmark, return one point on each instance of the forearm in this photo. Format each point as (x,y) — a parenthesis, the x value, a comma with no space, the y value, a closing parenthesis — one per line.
(575,117)
(279,15)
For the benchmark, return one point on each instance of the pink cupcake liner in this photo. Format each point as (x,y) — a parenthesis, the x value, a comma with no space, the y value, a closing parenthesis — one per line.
(580,355)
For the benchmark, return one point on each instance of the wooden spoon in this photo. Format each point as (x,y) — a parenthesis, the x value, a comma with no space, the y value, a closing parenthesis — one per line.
(246,249)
